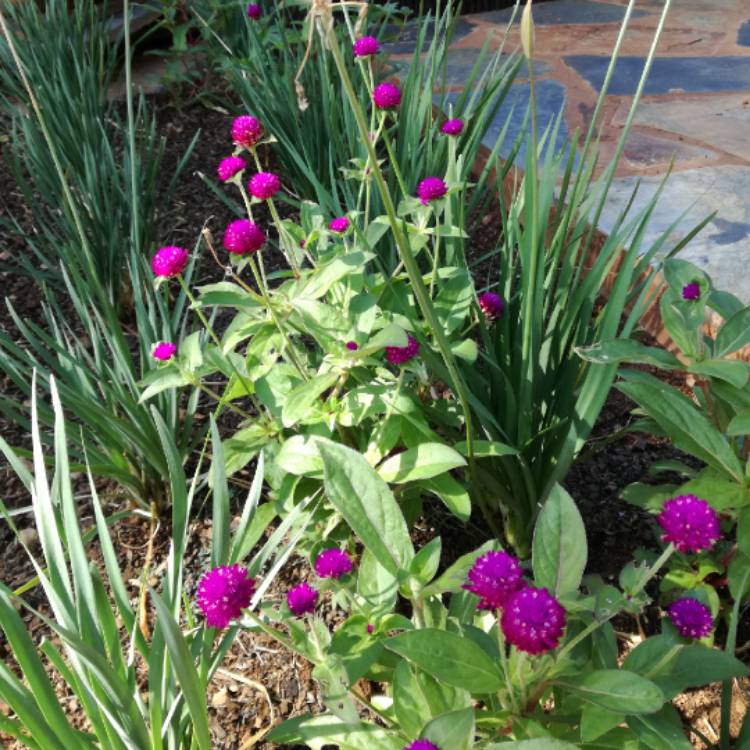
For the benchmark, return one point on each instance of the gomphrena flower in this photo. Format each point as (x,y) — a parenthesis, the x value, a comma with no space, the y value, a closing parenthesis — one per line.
(691,618)
(223,593)
(352,346)
(264,185)
(492,305)
(339,225)
(494,577)
(333,563)
(302,599)
(690,523)
(533,620)
(452,127)
(370,628)
(254,11)
(366,46)
(169,261)
(397,355)
(430,189)
(164,351)
(691,291)
(243,236)
(230,167)
(386,96)
(422,745)
(246,130)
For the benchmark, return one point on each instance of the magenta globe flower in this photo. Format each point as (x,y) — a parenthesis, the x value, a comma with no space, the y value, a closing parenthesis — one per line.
(431,189)
(386,96)
(246,131)
(243,236)
(352,346)
(691,618)
(533,620)
(370,628)
(366,46)
(689,523)
(494,577)
(492,305)
(691,291)
(254,11)
(397,355)
(452,127)
(164,351)
(339,225)
(230,167)
(422,745)
(169,261)
(302,599)
(223,593)
(333,563)
(264,185)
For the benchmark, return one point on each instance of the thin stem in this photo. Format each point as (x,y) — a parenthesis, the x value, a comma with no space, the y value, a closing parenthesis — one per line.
(505,665)
(393,162)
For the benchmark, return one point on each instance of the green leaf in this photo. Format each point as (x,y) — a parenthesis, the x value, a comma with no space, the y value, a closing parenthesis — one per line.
(629,350)
(453,579)
(731,371)
(376,585)
(340,267)
(425,563)
(559,549)
(449,658)
(162,379)
(649,496)
(466,350)
(325,730)
(301,399)
(367,505)
(452,493)
(696,666)
(226,294)
(454,729)
(596,721)
(660,731)
(423,462)
(719,491)
(740,425)
(486,449)
(299,456)
(391,335)
(545,743)
(734,334)
(617,690)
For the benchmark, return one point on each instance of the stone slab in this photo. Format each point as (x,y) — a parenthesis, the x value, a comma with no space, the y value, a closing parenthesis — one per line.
(404,39)
(743,34)
(722,248)
(648,150)
(566,12)
(667,75)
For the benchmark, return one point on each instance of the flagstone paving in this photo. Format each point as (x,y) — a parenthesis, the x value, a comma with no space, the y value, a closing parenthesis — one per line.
(695,109)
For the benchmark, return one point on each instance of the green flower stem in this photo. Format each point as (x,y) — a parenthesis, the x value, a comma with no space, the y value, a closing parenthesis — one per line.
(271,631)
(246,199)
(221,400)
(504,663)
(393,162)
(726,686)
(436,257)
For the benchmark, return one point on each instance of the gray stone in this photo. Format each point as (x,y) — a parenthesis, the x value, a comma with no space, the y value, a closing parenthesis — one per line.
(404,38)
(566,12)
(646,150)
(743,35)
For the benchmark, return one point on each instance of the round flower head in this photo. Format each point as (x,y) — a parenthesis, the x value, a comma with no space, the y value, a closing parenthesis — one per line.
(230,167)
(370,628)
(164,350)
(422,745)
(690,523)
(492,305)
(397,355)
(386,96)
(691,618)
(169,261)
(533,620)
(352,346)
(301,599)
(339,225)
(264,185)
(242,237)
(254,11)
(691,291)
(223,593)
(452,127)
(494,577)
(366,46)
(333,563)
(246,130)
(430,189)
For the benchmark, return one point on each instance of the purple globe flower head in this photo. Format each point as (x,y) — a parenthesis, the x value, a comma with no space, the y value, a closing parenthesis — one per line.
(397,355)
(339,225)
(230,167)
(242,237)
(366,46)
(254,11)
(164,351)
(452,127)
(223,593)
(422,745)
(691,291)
(352,346)
(370,628)
(169,261)
(386,96)
(689,523)
(691,618)
(492,305)
(264,185)
(333,563)
(533,620)
(301,599)
(246,131)
(494,577)
(430,189)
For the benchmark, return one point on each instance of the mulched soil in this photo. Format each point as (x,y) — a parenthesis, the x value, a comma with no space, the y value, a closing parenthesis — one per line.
(260,683)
